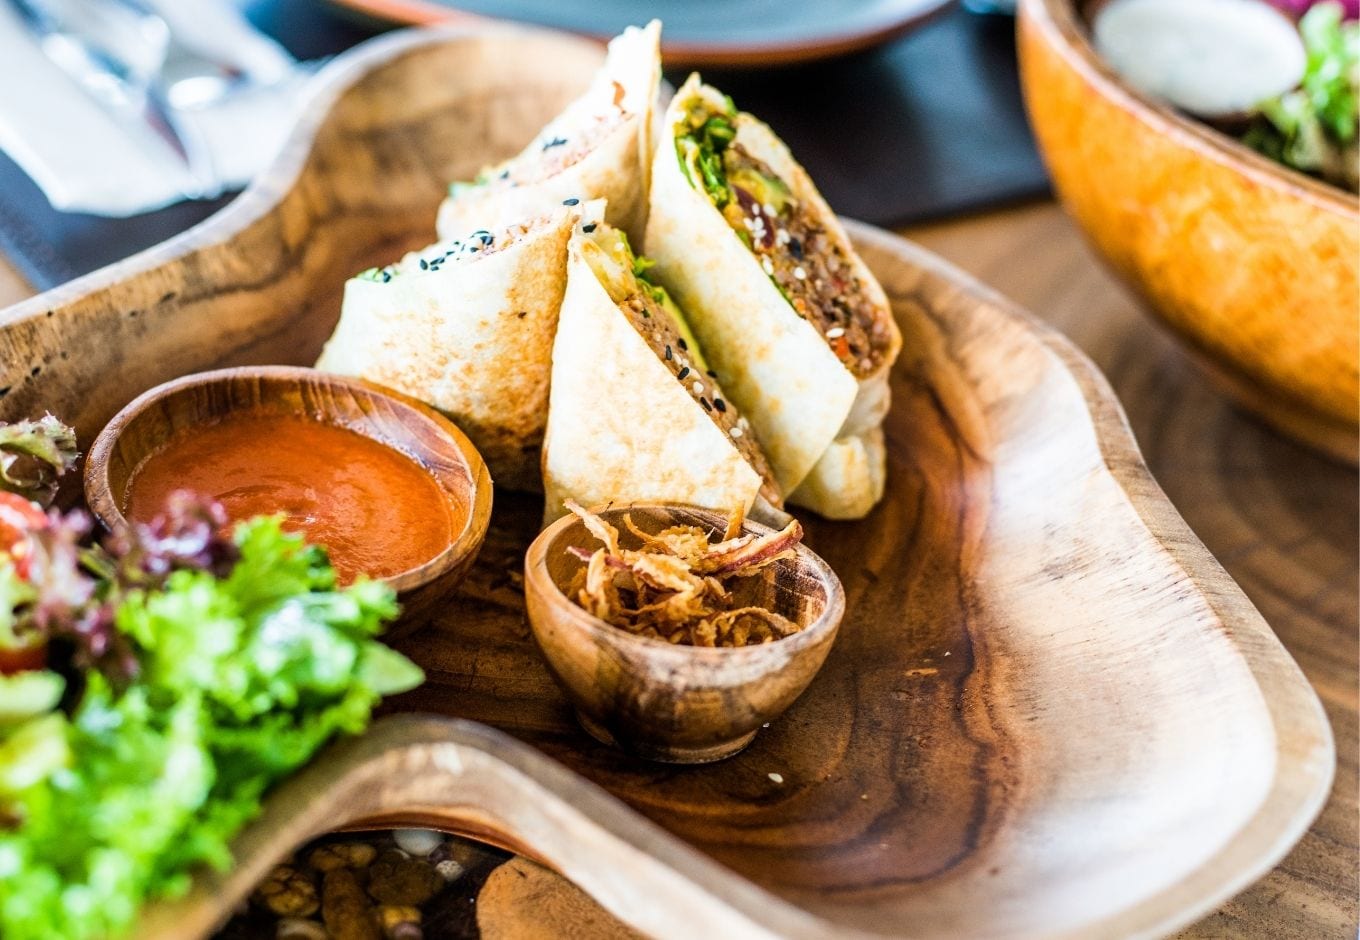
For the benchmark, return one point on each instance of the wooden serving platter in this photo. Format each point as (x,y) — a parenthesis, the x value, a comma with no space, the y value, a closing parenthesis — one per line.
(1049,712)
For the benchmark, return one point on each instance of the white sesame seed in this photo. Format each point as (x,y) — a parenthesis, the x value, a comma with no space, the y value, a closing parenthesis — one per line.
(735,432)
(799,273)
(767,265)
(836,332)
(777,778)
(769,209)
(698,388)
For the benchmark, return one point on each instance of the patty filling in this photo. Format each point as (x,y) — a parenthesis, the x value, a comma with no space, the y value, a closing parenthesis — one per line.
(804,259)
(662,324)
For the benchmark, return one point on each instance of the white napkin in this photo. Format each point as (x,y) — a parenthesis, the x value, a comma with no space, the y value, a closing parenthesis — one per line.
(87,159)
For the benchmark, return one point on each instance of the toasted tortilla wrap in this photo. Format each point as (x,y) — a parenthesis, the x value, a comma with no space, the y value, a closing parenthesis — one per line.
(848,480)
(466,326)
(634,412)
(599,147)
(789,314)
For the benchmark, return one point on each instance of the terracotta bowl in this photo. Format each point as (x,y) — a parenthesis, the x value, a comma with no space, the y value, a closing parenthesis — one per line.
(677,704)
(1254,266)
(376,412)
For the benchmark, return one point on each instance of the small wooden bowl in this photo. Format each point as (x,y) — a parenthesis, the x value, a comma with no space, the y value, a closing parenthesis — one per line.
(1254,266)
(388,417)
(677,704)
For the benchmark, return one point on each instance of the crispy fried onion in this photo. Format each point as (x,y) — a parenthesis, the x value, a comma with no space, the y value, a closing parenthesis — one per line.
(674,587)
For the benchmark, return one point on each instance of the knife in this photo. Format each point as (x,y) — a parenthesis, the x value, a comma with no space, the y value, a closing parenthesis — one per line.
(115,54)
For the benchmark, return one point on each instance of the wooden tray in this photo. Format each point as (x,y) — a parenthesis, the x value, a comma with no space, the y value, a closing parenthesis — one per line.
(1049,713)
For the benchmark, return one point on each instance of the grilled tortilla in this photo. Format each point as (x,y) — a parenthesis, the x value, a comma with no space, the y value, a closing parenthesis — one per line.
(635,411)
(466,326)
(791,316)
(599,147)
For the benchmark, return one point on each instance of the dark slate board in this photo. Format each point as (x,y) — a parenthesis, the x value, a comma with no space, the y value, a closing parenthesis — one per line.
(927,126)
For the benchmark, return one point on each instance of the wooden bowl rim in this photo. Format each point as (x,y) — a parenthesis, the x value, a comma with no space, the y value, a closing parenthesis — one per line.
(567,612)
(1066,32)
(99,492)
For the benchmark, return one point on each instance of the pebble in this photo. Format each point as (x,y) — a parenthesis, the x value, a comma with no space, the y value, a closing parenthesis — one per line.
(297,928)
(418,842)
(335,855)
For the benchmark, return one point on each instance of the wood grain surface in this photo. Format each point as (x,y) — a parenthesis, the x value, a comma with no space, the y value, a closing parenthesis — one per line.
(1280,519)
(1285,522)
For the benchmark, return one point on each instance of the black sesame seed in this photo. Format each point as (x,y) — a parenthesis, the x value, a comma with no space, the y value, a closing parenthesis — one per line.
(555,142)
(424,265)
(505,175)
(683,372)
(588,227)
(796,248)
(668,353)
(682,344)
(704,402)
(710,373)
(573,201)
(719,404)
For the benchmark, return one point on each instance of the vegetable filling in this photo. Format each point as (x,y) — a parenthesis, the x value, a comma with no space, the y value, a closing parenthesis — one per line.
(804,259)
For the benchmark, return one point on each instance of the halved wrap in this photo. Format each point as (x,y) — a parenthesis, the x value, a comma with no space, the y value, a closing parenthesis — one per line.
(634,412)
(790,315)
(466,326)
(599,147)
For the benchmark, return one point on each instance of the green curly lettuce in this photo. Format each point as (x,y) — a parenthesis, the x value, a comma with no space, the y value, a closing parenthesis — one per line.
(242,677)
(34,455)
(1314,128)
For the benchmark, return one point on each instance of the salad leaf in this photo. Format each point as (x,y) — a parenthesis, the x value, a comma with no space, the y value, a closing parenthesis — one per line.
(33,457)
(249,659)
(1314,128)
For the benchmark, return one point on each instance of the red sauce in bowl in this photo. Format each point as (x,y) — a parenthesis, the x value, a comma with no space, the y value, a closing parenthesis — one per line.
(375,509)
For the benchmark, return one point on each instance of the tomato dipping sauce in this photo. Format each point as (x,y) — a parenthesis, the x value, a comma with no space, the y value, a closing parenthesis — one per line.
(376,510)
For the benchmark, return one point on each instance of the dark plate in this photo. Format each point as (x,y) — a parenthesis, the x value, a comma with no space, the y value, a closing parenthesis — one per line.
(698,32)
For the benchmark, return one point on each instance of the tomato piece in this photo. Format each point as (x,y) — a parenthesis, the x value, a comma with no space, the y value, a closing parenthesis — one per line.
(18,517)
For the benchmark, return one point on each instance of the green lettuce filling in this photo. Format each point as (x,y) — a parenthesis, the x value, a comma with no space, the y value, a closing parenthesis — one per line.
(240,677)
(1314,128)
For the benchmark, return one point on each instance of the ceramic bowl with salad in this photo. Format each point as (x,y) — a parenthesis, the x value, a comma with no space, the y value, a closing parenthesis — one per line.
(1208,148)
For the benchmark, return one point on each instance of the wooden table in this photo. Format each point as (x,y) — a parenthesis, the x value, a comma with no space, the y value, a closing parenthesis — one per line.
(1281,520)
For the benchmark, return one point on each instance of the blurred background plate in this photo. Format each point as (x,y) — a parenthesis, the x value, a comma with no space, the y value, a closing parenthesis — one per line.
(926,126)
(698,32)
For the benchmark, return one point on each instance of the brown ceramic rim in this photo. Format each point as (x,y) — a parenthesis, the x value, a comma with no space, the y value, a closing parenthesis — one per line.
(714,657)
(1066,31)
(102,502)
(677,54)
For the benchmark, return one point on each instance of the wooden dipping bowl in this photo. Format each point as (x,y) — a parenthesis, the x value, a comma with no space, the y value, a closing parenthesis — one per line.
(672,703)
(381,414)
(1254,266)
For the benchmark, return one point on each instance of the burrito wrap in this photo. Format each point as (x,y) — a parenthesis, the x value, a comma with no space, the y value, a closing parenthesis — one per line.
(472,338)
(799,396)
(621,425)
(598,147)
